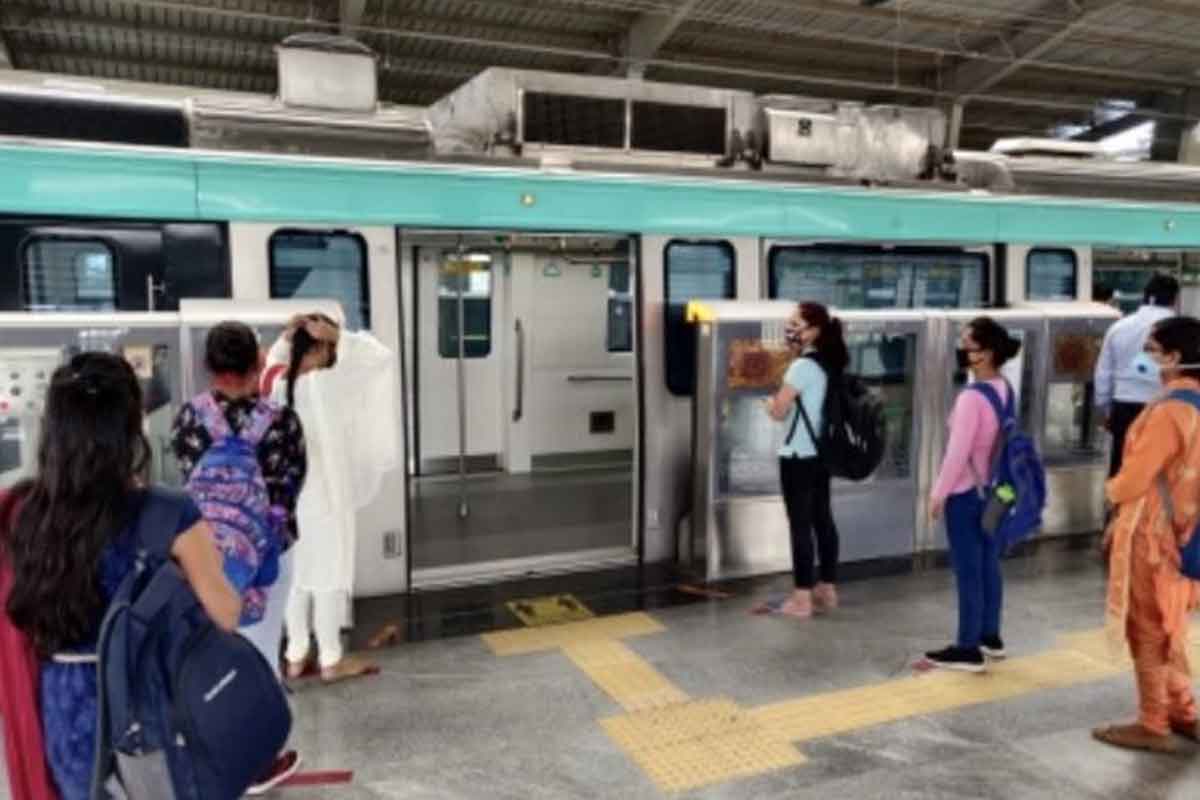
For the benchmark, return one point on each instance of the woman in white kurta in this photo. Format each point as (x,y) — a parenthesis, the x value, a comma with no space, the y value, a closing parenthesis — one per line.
(344,394)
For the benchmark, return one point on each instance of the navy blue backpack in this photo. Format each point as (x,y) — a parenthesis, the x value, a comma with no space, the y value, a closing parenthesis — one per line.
(1190,552)
(1016,489)
(186,710)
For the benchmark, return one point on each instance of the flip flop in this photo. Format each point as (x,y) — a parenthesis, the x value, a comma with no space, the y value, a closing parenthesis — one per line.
(771,605)
(1135,737)
(362,670)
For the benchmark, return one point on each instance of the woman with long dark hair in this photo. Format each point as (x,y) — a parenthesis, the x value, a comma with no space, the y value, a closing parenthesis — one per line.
(985,346)
(342,384)
(820,359)
(71,541)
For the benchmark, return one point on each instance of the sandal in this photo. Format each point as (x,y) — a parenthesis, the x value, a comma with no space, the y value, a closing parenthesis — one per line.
(1188,730)
(348,668)
(1135,737)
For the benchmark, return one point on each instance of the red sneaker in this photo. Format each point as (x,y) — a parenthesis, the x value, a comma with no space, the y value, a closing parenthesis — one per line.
(284,767)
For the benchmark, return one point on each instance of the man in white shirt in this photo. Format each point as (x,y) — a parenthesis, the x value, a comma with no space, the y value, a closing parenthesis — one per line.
(1121,391)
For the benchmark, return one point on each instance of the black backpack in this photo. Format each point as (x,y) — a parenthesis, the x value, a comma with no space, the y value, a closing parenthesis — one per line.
(853,429)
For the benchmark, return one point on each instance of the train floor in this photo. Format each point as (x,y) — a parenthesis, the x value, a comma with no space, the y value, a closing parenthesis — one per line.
(520,516)
(704,700)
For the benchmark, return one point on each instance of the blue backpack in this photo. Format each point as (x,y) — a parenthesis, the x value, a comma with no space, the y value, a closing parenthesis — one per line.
(227,484)
(185,710)
(1190,553)
(1016,489)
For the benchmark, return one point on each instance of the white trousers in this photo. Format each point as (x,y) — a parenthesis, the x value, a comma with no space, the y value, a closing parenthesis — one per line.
(267,633)
(325,610)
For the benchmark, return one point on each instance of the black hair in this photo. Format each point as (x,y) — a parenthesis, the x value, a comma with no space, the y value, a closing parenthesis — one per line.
(1180,335)
(231,348)
(302,343)
(91,452)
(832,353)
(992,337)
(1161,290)
(1102,293)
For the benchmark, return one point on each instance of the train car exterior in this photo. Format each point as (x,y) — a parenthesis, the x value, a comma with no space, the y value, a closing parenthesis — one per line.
(537,313)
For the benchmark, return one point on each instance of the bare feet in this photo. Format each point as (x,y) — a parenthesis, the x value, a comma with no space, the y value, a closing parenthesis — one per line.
(1135,737)
(825,597)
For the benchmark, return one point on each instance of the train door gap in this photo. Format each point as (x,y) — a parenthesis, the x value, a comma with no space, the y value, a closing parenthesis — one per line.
(524,404)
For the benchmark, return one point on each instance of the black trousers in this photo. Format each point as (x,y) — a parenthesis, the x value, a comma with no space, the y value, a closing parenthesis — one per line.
(1121,416)
(806,497)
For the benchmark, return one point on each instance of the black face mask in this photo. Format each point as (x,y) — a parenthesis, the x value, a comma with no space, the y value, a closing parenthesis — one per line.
(964,359)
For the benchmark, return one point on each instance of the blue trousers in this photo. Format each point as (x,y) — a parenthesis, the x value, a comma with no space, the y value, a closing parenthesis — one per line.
(976,560)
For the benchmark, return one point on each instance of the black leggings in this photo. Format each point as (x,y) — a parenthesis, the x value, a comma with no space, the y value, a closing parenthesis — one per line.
(806,497)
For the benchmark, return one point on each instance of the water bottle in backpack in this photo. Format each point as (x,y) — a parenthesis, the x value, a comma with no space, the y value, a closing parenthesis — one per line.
(1015,489)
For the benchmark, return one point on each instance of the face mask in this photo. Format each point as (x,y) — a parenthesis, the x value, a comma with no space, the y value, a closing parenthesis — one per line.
(964,359)
(1145,366)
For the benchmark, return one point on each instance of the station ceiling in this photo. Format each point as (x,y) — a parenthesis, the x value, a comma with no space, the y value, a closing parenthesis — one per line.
(1019,67)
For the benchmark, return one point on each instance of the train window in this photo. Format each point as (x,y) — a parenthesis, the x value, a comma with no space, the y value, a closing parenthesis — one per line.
(620,308)
(877,277)
(322,264)
(692,271)
(69,275)
(472,276)
(1051,275)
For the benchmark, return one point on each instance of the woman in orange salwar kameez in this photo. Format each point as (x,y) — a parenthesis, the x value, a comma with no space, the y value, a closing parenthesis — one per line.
(1148,598)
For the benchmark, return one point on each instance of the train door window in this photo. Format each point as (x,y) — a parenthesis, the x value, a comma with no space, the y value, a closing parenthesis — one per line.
(69,275)
(620,308)
(1051,275)
(322,264)
(876,277)
(692,271)
(472,274)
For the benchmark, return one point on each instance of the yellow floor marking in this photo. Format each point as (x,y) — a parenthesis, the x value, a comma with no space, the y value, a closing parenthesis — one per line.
(623,674)
(684,744)
(837,712)
(697,743)
(554,637)
(552,610)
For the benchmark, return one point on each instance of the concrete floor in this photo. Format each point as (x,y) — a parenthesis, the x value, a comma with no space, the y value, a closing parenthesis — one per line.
(450,719)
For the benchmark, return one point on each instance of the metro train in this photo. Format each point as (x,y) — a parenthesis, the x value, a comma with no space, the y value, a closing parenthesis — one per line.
(535,298)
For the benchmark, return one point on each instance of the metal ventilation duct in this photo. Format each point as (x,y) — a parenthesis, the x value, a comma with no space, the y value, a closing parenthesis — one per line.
(219,123)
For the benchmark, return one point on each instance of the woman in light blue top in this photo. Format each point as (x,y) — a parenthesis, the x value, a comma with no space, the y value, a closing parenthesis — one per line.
(820,354)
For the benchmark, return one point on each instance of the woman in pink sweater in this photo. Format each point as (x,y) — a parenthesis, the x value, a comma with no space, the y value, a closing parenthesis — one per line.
(984,347)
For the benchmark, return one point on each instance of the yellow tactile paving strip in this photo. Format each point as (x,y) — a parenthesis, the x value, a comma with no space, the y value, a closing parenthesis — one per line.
(554,637)
(697,743)
(554,609)
(837,712)
(684,744)
(623,674)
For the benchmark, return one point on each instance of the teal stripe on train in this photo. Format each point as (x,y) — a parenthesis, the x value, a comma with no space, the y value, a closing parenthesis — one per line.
(123,182)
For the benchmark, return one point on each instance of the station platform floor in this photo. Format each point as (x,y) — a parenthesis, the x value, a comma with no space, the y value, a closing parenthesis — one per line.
(704,700)
(669,693)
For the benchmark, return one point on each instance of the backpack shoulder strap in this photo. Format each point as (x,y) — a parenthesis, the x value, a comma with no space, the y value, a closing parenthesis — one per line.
(158,522)
(261,419)
(1003,410)
(211,416)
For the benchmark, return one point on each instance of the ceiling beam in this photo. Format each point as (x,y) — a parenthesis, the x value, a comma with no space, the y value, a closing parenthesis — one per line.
(350,16)
(1025,44)
(649,32)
